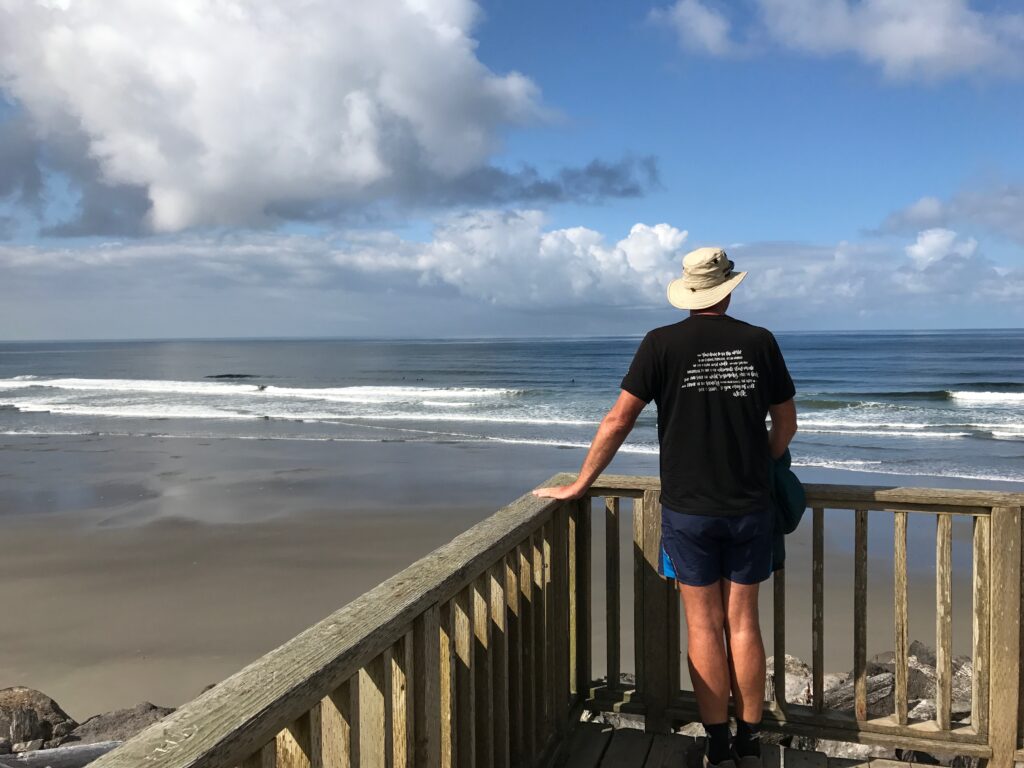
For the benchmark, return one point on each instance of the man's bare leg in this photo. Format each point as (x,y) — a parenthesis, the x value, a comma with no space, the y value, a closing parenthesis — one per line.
(746,662)
(706,652)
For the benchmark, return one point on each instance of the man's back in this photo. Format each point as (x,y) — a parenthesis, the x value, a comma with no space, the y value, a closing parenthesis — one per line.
(713,378)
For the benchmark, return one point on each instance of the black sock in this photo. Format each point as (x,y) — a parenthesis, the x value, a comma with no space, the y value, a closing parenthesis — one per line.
(748,738)
(717,745)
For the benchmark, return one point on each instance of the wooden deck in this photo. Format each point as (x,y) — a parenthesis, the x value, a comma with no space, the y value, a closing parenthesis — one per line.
(600,746)
(479,655)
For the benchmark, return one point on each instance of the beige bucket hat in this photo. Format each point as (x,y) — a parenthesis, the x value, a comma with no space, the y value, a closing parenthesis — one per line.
(708,277)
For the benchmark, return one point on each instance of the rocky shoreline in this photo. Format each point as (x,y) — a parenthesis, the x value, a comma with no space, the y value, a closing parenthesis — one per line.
(31,721)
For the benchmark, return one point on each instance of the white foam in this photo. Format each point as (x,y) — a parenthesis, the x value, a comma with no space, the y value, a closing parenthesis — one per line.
(883,469)
(885,433)
(130,411)
(625,448)
(989,398)
(1007,435)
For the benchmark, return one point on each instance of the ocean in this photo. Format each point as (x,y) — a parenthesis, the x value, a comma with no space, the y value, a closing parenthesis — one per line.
(926,403)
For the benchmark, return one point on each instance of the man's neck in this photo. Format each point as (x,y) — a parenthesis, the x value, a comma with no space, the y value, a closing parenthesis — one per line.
(696,312)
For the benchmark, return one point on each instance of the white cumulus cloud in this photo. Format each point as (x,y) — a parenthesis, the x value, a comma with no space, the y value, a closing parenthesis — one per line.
(927,39)
(221,109)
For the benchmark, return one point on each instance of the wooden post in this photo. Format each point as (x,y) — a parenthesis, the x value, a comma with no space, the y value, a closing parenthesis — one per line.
(294,749)
(1004,623)
(900,613)
(559,614)
(638,594)
(860,615)
(818,609)
(655,620)
(779,637)
(331,732)
(372,736)
(613,602)
(514,641)
(482,702)
(499,666)
(584,604)
(526,615)
(540,656)
(982,629)
(465,698)
(943,621)
(448,746)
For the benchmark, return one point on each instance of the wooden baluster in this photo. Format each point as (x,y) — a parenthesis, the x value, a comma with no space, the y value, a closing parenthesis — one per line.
(613,600)
(900,613)
(584,598)
(331,730)
(860,617)
(1004,603)
(426,688)
(981,633)
(264,758)
(550,632)
(465,700)
(559,614)
(779,637)
(540,656)
(294,748)
(514,641)
(638,594)
(399,676)
(943,620)
(499,666)
(372,726)
(448,747)
(818,609)
(482,702)
(655,620)
(529,661)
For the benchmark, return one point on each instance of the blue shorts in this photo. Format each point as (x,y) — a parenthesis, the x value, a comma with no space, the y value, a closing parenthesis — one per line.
(698,550)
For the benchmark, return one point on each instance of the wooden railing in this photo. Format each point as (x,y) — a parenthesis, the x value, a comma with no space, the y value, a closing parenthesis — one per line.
(479,655)
(994,729)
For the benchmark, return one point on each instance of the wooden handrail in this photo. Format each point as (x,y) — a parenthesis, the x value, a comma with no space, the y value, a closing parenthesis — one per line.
(477,656)
(237,717)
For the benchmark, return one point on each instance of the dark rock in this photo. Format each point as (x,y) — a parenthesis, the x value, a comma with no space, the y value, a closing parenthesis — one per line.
(5,746)
(26,715)
(119,725)
(924,653)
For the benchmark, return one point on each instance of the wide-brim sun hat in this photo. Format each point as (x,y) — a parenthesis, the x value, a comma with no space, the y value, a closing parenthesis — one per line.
(708,277)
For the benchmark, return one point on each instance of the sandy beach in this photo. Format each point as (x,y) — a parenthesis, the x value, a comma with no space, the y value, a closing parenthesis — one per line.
(146,568)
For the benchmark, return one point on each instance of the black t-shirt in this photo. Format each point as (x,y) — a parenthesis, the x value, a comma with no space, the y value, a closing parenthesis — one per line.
(713,378)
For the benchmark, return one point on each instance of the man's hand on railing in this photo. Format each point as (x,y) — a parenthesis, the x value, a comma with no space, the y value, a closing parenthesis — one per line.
(561,492)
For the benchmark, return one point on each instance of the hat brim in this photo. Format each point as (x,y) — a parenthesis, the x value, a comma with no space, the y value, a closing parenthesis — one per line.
(686,298)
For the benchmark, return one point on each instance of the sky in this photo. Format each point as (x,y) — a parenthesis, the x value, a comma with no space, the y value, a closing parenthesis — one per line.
(449,168)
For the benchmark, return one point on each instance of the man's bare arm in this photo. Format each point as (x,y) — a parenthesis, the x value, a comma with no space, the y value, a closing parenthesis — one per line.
(611,433)
(783,427)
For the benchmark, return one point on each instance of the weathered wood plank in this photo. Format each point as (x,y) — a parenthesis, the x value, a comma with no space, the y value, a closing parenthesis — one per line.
(426,688)
(818,608)
(388,660)
(638,595)
(448,746)
(613,599)
(514,639)
(265,757)
(331,729)
(294,748)
(779,636)
(550,630)
(669,751)
(465,696)
(831,496)
(1004,652)
(860,614)
(902,638)
(584,598)
(499,667)
(540,655)
(401,680)
(587,745)
(980,617)
(560,618)
(373,741)
(240,715)
(628,749)
(655,620)
(943,620)
(529,676)
(576,509)
(483,703)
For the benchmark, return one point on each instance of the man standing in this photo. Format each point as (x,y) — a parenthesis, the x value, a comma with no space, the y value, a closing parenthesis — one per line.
(715,379)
